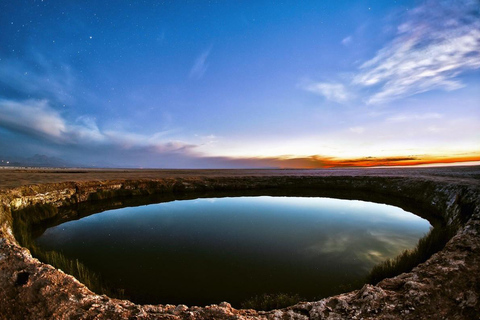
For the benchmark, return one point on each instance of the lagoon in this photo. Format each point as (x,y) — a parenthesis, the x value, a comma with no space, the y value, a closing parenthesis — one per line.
(208,250)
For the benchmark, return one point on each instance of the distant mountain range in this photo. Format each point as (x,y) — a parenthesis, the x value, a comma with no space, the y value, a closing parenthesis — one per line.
(38,160)
(41,160)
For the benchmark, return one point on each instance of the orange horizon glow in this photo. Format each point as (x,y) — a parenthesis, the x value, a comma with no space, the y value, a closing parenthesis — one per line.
(319,162)
(402,161)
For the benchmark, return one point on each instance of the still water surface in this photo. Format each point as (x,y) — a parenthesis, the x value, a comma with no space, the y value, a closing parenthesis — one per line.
(206,251)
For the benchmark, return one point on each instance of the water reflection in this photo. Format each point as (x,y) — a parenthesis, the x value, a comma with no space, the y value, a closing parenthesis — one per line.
(209,250)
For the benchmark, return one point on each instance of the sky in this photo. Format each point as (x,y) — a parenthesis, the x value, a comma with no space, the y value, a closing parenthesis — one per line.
(241,84)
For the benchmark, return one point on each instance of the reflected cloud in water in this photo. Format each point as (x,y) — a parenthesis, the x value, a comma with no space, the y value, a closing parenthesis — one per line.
(233,248)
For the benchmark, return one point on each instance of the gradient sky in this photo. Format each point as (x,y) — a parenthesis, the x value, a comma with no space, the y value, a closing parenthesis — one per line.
(205,84)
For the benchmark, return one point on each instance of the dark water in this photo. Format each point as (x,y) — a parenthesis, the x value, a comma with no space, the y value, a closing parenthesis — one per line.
(206,251)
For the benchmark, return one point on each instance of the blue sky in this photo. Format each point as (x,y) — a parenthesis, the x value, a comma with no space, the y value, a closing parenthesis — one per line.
(194,84)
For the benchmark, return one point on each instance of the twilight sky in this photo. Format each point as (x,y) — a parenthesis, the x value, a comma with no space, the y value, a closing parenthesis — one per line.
(207,84)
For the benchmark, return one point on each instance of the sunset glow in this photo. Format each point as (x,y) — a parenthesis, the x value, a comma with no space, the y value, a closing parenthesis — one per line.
(318,162)
(241,84)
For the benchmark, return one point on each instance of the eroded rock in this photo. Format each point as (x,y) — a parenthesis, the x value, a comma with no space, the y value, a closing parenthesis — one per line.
(446,286)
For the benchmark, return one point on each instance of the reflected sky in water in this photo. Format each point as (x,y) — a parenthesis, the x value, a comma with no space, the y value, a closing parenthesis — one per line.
(228,249)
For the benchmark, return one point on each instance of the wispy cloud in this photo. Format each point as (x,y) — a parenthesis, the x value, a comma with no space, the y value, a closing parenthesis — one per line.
(41,78)
(38,120)
(200,65)
(416,116)
(332,91)
(347,40)
(357,130)
(437,42)
(32,117)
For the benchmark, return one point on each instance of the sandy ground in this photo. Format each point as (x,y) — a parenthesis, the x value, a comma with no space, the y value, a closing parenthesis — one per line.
(11,178)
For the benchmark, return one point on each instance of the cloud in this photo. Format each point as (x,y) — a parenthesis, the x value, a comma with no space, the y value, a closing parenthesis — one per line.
(200,65)
(347,40)
(438,42)
(153,143)
(35,121)
(38,123)
(40,78)
(32,117)
(357,130)
(332,91)
(337,243)
(319,162)
(85,129)
(409,117)
(38,120)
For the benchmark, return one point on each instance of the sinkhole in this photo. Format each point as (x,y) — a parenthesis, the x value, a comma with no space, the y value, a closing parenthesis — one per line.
(236,249)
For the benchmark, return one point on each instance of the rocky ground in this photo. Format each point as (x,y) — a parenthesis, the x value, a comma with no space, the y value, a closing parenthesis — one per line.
(447,286)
